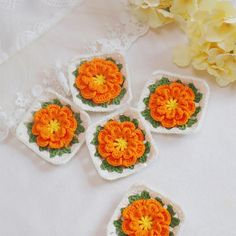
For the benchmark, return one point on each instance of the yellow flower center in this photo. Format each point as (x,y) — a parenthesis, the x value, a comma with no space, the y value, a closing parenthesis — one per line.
(53,126)
(172,104)
(145,222)
(99,79)
(120,144)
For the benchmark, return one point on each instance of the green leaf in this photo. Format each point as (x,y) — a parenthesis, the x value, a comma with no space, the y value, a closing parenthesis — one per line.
(32,138)
(97,154)
(144,133)
(121,210)
(143,159)
(146,101)
(53,153)
(147,147)
(29,125)
(198,97)
(191,122)
(120,66)
(117,223)
(57,102)
(146,114)
(198,109)
(152,88)
(174,222)
(43,149)
(54,101)
(130,167)
(45,104)
(179,81)
(171,234)
(86,101)
(111,59)
(163,81)
(171,210)
(145,195)
(117,100)
(192,86)
(118,226)
(124,118)
(136,123)
(80,128)
(182,127)
(160,201)
(106,166)
(75,73)
(74,140)
(59,152)
(134,198)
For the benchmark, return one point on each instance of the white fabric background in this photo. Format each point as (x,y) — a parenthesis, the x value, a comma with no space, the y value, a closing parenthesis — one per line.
(196,171)
(22,21)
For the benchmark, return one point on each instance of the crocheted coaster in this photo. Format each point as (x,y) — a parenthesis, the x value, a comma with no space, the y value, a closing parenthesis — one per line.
(143,211)
(120,144)
(173,103)
(53,128)
(100,83)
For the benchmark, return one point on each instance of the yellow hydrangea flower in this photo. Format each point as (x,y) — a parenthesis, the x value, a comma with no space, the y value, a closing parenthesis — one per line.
(212,35)
(184,8)
(155,12)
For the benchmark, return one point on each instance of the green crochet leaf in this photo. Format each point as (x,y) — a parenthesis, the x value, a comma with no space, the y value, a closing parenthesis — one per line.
(143,195)
(174,222)
(146,114)
(118,226)
(123,118)
(106,166)
(159,200)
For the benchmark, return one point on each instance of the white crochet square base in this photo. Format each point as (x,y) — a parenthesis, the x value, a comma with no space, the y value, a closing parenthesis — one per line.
(133,114)
(200,84)
(22,131)
(137,189)
(120,59)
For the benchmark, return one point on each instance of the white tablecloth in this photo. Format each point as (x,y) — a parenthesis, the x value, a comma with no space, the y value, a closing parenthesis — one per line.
(196,171)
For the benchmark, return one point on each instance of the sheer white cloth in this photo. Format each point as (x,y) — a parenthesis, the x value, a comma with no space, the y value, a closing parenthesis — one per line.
(22,21)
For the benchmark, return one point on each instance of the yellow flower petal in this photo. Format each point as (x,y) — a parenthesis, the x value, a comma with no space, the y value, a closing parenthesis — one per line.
(182,56)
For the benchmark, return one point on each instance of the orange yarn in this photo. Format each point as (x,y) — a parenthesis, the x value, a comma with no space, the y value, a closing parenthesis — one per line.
(146,218)
(54,126)
(99,80)
(121,143)
(172,104)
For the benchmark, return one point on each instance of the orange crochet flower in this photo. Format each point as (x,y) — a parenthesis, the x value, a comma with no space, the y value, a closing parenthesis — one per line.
(121,143)
(54,126)
(172,105)
(99,80)
(146,218)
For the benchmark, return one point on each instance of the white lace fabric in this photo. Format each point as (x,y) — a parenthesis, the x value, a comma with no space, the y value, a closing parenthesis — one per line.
(22,21)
